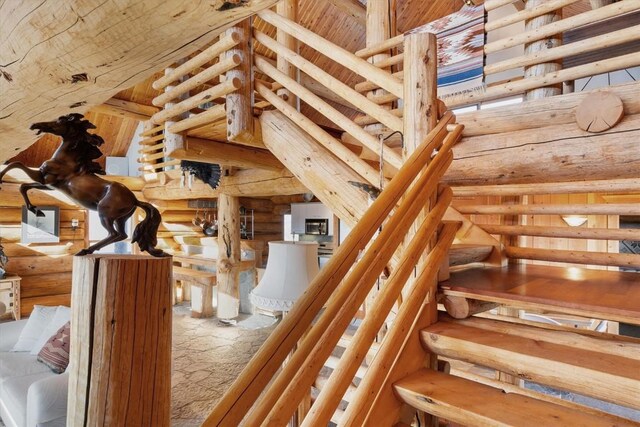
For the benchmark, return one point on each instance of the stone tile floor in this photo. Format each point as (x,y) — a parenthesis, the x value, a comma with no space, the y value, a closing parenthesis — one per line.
(207,358)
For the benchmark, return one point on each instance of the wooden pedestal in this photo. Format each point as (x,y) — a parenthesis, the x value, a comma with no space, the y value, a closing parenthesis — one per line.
(121,341)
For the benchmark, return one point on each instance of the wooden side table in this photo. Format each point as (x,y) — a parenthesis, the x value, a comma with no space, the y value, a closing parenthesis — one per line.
(10,294)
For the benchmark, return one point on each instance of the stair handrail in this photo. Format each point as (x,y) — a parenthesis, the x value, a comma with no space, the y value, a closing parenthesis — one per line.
(244,392)
(300,371)
(421,294)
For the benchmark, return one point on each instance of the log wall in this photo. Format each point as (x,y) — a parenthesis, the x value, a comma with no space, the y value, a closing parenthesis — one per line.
(45,268)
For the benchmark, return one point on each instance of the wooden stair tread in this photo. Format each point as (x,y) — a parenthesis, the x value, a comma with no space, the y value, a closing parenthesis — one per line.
(194,276)
(462,253)
(582,364)
(470,403)
(601,294)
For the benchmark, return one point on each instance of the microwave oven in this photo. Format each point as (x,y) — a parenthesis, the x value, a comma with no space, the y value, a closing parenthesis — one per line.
(316,226)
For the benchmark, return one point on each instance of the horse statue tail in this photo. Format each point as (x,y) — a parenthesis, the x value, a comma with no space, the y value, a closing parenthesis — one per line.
(145,232)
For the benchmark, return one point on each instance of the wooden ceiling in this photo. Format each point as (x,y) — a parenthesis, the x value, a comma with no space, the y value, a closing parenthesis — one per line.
(322,17)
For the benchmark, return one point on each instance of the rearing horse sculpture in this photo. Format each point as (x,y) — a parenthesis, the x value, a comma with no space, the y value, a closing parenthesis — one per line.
(72,170)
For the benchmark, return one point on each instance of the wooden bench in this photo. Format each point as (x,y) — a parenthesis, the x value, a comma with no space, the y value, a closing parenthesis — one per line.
(202,283)
(600,294)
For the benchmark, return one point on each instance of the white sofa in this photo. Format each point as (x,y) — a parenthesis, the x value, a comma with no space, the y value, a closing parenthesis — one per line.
(30,393)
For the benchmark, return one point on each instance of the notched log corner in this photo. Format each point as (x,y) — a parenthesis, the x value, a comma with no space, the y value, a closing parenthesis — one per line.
(231,4)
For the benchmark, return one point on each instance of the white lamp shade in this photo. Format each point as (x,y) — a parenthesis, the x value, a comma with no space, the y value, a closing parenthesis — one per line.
(290,268)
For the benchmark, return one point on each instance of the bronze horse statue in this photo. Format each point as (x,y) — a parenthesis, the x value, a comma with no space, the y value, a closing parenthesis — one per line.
(72,170)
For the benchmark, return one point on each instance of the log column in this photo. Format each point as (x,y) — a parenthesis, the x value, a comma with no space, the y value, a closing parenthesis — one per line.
(227,271)
(173,141)
(379,23)
(120,341)
(541,45)
(287,9)
(240,102)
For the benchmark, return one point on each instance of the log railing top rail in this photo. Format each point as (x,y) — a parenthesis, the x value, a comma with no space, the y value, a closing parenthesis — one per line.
(243,394)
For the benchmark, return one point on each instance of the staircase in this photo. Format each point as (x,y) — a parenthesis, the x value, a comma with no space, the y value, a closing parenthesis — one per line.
(393,200)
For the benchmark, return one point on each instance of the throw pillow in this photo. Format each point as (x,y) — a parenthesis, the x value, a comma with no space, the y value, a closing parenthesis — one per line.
(55,353)
(62,316)
(40,317)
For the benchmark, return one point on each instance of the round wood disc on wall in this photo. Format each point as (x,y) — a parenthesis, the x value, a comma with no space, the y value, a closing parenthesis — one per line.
(599,111)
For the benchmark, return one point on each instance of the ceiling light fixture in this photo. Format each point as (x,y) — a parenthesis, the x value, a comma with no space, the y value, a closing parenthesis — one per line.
(574,220)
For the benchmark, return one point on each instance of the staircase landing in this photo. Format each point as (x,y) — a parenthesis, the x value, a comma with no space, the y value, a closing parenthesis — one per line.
(601,294)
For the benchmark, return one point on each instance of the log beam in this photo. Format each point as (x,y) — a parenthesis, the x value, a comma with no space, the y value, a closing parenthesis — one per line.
(65,57)
(245,183)
(550,154)
(224,153)
(125,109)
(326,176)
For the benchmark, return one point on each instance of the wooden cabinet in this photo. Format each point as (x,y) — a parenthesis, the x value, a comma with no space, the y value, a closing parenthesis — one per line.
(10,295)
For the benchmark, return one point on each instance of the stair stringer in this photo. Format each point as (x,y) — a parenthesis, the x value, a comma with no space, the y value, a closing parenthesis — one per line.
(324,174)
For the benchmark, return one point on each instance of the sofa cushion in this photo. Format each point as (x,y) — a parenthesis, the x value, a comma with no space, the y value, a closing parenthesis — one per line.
(20,364)
(55,352)
(13,394)
(9,333)
(40,317)
(62,316)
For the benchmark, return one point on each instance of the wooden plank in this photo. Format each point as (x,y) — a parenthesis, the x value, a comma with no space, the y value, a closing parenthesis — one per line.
(92,59)
(598,294)
(190,275)
(609,377)
(469,403)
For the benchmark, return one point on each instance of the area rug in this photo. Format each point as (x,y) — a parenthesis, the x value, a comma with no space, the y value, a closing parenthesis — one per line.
(461,41)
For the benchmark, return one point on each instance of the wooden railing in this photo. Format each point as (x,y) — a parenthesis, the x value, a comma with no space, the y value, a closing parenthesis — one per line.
(341,288)
(613,38)
(350,61)
(193,94)
(536,220)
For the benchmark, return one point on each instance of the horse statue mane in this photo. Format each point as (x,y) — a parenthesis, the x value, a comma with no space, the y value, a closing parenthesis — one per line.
(72,170)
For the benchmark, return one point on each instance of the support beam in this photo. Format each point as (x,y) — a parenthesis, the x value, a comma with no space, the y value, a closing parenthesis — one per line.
(240,103)
(65,57)
(550,154)
(227,271)
(245,183)
(224,153)
(125,109)
(325,175)
(353,8)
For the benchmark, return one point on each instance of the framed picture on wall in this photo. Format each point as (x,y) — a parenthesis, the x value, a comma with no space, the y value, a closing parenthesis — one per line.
(41,229)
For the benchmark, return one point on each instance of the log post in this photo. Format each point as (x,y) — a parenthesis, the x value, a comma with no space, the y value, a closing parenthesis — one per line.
(289,10)
(542,45)
(240,103)
(173,141)
(378,29)
(120,341)
(227,272)
(420,117)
